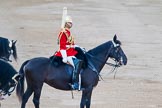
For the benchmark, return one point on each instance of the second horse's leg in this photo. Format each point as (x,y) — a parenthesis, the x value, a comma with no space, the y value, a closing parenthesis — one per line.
(26,96)
(86,98)
(37,93)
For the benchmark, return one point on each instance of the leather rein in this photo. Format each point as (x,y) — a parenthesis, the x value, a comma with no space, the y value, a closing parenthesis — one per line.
(115,66)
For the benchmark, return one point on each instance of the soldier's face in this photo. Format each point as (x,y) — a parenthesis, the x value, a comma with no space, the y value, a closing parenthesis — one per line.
(68,24)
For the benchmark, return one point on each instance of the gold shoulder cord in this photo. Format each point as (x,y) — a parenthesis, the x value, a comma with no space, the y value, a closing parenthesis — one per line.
(58,39)
(70,39)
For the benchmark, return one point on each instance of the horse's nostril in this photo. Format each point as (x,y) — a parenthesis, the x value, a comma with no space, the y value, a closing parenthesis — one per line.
(121,63)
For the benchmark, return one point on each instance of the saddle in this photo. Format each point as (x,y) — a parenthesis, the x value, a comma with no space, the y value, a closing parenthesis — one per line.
(57,61)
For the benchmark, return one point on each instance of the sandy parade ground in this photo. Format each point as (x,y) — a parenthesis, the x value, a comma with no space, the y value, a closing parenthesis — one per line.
(35,25)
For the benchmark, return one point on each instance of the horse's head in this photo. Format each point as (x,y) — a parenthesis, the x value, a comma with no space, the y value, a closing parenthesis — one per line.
(8,79)
(7,48)
(117,53)
(6,90)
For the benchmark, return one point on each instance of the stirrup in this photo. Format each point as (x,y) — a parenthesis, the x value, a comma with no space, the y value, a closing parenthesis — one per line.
(74,86)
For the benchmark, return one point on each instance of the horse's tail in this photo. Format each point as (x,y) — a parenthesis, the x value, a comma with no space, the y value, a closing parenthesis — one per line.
(20,85)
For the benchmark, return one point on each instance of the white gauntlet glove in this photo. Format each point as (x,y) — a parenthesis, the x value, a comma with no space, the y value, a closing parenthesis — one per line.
(64,56)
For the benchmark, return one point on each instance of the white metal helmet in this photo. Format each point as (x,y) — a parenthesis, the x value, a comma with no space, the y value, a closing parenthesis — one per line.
(68,19)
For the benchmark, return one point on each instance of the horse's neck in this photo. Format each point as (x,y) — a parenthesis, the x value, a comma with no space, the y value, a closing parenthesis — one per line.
(99,55)
(4,59)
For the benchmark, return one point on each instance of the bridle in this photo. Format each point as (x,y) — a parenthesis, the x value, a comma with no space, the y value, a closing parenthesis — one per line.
(7,89)
(10,52)
(115,66)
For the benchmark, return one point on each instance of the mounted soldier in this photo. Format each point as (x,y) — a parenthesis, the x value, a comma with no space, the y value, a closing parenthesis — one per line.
(67,49)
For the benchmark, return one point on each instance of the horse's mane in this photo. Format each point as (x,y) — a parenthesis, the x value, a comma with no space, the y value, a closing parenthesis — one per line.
(102,47)
(99,48)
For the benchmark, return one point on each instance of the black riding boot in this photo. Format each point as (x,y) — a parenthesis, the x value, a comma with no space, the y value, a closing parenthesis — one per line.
(75,78)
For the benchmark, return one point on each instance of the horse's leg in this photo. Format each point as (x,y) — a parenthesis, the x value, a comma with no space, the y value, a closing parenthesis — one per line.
(37,93)
(86,98)
(26,96)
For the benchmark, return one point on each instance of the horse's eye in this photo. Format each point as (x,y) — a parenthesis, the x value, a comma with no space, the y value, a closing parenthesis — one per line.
(117,49)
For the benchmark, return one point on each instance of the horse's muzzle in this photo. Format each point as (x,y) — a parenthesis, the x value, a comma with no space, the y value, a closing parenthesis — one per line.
(122,61)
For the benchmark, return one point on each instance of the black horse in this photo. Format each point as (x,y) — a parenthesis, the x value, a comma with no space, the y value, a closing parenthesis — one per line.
(40,70)
(8,75)
(7,48)
(8,79)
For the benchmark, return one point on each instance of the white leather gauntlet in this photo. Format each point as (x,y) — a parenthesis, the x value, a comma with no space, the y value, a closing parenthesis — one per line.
(64,56)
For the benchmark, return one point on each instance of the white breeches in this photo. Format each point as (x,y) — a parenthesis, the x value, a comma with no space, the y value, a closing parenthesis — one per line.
(70,60)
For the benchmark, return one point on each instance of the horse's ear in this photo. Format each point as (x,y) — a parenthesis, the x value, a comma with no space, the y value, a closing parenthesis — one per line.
(115,38)
(14,42)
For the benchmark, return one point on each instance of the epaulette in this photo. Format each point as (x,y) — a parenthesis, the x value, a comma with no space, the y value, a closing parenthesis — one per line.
(63,30)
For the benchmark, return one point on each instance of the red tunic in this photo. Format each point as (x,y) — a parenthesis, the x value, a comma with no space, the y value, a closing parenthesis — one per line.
(66,42)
